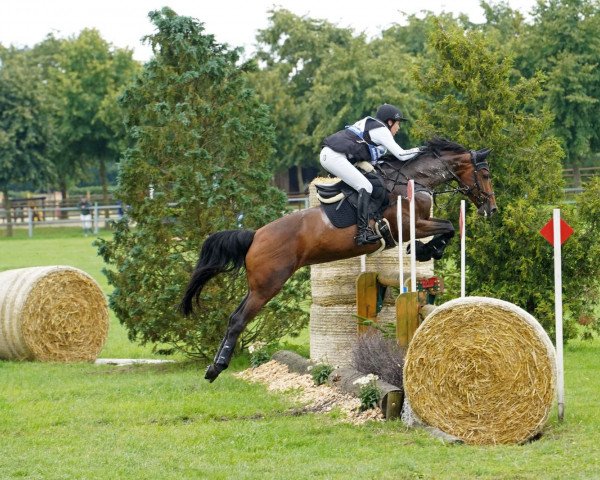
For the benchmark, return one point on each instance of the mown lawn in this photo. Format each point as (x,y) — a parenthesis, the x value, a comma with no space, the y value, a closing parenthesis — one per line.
(84,421)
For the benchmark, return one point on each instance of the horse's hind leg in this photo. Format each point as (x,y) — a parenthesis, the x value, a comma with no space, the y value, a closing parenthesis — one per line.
(246,311)
(225,351)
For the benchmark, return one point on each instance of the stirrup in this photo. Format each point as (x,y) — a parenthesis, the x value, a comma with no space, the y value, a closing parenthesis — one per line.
(367,237)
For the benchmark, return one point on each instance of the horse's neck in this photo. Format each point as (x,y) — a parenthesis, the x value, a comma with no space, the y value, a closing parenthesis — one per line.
(430,172)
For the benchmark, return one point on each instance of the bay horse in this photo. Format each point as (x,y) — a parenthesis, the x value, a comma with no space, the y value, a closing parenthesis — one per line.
(275,251)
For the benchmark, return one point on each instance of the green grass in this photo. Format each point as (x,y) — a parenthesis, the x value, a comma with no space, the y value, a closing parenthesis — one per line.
(83,421)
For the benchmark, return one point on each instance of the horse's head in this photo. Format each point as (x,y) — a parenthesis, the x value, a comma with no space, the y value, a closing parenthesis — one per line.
(476,183)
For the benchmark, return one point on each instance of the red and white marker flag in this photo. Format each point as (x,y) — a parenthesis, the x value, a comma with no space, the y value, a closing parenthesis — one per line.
(556,232)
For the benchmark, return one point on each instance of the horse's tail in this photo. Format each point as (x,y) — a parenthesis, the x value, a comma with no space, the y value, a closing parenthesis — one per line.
(221,252)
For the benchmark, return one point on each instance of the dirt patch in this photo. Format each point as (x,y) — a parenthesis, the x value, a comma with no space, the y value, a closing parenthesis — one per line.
(317,399)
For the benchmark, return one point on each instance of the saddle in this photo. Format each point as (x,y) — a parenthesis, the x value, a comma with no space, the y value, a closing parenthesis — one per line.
(339,202)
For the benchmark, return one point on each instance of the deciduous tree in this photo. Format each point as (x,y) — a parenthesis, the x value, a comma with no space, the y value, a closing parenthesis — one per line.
(25,125)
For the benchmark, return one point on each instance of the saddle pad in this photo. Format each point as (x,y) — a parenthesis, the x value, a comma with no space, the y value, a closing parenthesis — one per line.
(342,217)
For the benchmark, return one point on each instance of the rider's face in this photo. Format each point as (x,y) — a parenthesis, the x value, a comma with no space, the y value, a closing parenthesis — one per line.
(395,127)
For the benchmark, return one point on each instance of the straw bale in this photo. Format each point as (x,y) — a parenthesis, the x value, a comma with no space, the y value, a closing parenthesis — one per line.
(55,313)
(333,331)
(482,370)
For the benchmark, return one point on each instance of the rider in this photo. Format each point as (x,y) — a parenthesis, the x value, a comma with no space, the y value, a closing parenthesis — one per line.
(368,139)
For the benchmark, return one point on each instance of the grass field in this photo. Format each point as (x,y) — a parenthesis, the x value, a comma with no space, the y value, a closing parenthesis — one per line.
(84,421)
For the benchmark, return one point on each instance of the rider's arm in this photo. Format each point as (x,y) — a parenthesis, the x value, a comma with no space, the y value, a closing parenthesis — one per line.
(383,136)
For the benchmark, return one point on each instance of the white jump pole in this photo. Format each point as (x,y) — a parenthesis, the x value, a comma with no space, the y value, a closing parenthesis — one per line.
(363,263)
(413,253)
(558,311)
(462,229)
(400,245)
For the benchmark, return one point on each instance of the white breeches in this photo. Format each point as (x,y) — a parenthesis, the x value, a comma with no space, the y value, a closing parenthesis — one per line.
(338,165)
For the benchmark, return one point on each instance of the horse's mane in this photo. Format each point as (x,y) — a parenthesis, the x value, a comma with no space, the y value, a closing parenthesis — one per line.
(438,144)
(432,147)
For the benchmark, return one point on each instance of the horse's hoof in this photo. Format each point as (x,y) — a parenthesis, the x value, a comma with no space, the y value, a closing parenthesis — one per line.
(211,373)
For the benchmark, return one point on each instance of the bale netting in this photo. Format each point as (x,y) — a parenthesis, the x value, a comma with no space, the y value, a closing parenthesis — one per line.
(56,314)
(482,370)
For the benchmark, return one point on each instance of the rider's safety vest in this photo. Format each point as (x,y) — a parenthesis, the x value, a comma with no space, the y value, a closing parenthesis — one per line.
(355,142)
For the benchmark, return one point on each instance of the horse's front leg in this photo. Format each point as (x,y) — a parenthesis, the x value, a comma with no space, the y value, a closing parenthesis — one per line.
(442,232)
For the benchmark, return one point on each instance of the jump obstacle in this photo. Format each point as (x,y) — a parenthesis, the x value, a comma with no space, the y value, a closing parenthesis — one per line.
(486,396)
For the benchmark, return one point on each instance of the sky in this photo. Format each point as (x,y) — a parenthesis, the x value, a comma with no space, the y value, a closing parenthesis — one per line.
(123,23)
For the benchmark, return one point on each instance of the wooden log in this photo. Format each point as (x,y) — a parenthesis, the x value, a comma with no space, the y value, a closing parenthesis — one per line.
(295,363)
(366,299)
(391,395)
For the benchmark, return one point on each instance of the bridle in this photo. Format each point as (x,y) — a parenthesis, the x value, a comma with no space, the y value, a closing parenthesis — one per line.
(481,196)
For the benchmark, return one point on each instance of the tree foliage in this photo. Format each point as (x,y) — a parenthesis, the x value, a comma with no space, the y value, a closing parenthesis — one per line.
(563,43)
(25,129)
(317,78)
(86,74)
(476,101)
(201,142)
(291,51)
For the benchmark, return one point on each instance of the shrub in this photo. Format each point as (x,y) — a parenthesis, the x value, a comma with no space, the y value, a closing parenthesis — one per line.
(320,373)
(369,393)
(378,355)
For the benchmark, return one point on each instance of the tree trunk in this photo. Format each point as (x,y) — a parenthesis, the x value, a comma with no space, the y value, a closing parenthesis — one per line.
(64,214)
(8,210)
(300,179)
(104,182)
(576,176)
(282,180)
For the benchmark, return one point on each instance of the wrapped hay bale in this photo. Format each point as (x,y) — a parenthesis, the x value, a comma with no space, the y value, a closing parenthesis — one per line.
(53,313)
(482,370)
(334,283)
(334,331)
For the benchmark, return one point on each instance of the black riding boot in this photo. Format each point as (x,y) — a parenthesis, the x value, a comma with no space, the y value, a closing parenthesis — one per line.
(366,234)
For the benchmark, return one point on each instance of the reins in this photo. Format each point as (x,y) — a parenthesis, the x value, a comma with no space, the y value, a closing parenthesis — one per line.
(399,178)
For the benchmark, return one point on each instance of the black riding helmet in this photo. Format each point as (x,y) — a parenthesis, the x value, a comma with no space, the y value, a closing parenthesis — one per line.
(389,112)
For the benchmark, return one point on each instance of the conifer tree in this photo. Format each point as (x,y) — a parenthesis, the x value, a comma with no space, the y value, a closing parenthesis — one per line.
(199,162)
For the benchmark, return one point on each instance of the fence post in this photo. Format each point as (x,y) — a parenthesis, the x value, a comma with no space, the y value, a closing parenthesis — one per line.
(96,218)
(30,221)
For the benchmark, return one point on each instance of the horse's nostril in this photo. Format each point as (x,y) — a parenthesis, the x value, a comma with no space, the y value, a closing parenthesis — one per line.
(493,210)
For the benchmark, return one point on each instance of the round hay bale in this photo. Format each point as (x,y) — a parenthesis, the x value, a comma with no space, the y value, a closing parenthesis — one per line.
(482,370)
(53,313)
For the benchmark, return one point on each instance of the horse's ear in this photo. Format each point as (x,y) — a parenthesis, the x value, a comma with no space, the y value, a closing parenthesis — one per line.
(483,153)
